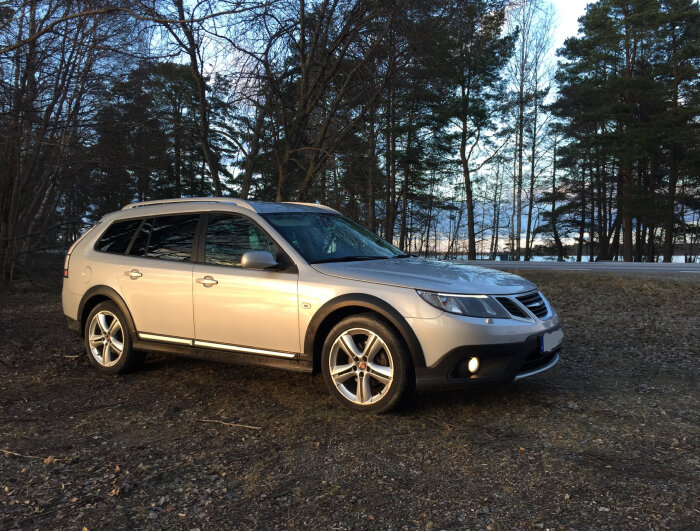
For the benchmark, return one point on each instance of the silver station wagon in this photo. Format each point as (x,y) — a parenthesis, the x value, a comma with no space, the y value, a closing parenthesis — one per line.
(298,287)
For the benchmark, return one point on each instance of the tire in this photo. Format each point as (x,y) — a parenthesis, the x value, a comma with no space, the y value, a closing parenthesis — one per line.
(365,365)
(108,341)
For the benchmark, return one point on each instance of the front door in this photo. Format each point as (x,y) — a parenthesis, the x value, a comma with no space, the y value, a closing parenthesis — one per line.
(241,309)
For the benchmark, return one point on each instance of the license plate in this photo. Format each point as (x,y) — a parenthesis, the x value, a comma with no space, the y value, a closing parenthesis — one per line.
(551,340)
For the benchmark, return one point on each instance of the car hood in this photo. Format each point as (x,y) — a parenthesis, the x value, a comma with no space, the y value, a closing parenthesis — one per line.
(429,275)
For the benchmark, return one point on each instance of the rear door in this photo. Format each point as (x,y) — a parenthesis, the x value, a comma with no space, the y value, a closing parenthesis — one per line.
(241,309)
(156,278)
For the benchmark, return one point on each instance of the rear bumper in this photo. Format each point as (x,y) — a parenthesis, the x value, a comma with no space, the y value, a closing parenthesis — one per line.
(498,363)
(73,325)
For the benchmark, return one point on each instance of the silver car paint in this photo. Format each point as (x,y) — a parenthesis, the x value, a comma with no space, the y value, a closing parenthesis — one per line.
(429,275)
(270,310)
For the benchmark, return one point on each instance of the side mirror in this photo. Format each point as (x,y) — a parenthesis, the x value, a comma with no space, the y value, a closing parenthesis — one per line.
(258,260)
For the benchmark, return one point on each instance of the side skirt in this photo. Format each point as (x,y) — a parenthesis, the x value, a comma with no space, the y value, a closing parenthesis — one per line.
(226,356)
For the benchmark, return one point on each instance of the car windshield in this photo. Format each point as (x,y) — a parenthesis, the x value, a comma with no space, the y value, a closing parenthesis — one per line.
(330,237)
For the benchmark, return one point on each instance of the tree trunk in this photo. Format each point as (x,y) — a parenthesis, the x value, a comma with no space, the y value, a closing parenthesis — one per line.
(371,206)
(496,205)
(253,151)
(553,217)
(202,104)
(591,226)
(403,232)
(603,236)
(390,191)
(670,214)
(627,228)
(466,173)
(519,193)
(403,227)
(177,133)
(582,221)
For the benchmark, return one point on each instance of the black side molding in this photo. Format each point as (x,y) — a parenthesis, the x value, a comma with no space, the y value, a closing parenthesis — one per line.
(369,303)
(225,356)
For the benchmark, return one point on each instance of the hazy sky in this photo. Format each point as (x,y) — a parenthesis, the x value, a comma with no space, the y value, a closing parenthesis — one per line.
(568,12)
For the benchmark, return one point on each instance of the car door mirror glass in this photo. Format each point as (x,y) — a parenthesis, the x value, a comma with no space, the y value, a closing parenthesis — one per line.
(258,260)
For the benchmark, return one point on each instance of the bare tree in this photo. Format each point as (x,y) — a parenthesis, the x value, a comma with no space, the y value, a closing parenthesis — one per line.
(188,27)
(541,78)
(316,62)
(52,52)
(481,56)
(531,20)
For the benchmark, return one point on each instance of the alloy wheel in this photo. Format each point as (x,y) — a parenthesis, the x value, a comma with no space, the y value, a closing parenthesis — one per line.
(106,338)
(361,366)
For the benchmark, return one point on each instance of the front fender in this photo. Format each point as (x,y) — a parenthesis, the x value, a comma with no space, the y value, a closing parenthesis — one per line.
(313,341)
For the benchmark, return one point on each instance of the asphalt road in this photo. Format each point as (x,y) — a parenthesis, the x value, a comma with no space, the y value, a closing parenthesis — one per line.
(599,267)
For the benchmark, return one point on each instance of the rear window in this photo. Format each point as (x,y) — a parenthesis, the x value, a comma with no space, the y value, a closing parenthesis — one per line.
(117,237)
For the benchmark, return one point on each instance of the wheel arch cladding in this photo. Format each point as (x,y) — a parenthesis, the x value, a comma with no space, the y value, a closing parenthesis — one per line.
(335,310)
(95,296)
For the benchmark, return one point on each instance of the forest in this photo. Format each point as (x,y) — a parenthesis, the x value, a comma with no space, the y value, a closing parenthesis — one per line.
(452,128)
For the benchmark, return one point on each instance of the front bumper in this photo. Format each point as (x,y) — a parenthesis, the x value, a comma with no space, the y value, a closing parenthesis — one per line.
(497,363)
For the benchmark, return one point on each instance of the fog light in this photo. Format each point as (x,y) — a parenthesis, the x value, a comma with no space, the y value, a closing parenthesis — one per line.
(473,365)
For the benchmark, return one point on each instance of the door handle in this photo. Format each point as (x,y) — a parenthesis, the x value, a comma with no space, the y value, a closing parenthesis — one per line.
(207,281)
(133,274)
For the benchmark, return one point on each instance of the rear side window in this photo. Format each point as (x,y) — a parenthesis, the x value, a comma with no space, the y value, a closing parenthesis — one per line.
(117,237)
(167,238)
(140,245)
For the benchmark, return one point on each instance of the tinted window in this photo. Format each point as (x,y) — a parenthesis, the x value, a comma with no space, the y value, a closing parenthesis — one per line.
(229,237)
(167,238)
(141,242)
(117,237)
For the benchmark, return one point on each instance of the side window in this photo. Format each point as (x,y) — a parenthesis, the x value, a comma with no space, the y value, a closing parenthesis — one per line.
(167,238)
(229,237)
(117,237)
(141,242)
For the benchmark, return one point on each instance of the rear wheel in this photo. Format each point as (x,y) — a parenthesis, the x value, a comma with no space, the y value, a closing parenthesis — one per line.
(108,340)
(365,364)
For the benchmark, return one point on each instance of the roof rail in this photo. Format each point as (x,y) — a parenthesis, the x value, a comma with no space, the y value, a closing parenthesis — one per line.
(230,200)
(324,207)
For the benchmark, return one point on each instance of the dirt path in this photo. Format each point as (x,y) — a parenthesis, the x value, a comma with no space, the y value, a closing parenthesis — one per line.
(608,438)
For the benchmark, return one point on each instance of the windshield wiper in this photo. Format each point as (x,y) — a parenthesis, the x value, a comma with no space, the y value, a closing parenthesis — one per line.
(349,259)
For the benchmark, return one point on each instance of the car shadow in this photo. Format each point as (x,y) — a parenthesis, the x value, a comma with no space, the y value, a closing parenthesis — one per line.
(490,397)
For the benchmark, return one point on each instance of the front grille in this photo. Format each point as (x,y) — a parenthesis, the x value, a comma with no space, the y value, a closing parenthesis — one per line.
(535,303)
(511,307)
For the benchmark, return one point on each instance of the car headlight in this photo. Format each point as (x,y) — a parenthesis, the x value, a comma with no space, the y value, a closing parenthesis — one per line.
(471,305)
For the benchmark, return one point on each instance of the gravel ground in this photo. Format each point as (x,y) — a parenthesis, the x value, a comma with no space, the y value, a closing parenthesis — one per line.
(606,439)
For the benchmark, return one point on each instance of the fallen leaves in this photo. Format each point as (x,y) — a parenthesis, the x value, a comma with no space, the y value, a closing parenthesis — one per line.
(46,460)
(303,472)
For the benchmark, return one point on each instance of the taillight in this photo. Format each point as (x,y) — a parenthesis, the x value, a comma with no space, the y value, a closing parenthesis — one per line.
(65,265)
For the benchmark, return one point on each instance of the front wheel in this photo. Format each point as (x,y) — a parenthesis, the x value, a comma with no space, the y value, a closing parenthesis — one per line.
(108,341)
(366,365)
